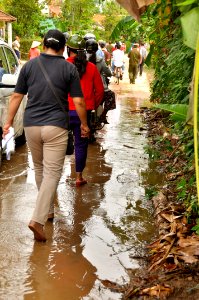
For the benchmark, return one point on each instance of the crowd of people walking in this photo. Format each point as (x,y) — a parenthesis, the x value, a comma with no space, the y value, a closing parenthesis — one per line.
(77,71)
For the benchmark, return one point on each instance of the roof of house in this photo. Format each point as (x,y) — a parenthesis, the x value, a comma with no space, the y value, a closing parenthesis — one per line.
(6,17)
(135,7)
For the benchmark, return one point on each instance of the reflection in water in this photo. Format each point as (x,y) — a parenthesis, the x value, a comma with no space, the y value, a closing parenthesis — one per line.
(99,229)
(59,273)
(14,236)
(70,275)
(111,231)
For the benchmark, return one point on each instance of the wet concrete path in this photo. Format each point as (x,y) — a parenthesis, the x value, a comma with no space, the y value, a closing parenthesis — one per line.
(100,229)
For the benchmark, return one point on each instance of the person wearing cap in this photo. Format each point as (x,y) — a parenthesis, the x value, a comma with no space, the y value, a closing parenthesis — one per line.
(45,123)
(134,60)
(34,51)
(93,91)
(107,55)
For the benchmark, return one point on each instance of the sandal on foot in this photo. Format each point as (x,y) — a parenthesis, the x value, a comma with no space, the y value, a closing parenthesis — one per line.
(80,182)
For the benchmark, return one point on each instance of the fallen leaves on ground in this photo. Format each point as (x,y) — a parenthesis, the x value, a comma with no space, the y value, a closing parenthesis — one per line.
(178,244)
(159,291)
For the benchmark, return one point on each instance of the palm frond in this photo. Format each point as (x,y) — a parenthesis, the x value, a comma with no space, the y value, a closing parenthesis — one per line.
(118,28)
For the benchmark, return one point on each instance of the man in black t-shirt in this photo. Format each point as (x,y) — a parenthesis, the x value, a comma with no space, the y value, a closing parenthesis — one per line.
(45,122)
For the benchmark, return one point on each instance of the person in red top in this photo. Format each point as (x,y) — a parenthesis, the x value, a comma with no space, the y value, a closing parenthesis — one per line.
(34,51)
(93,92)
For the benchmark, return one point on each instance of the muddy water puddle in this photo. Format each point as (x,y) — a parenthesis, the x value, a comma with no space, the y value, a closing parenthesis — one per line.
(100,230)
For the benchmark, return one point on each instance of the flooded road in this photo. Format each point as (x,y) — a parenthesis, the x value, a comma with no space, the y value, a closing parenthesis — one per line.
(100,229)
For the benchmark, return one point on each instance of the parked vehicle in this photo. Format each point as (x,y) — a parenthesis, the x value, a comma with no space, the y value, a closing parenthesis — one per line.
(9,72)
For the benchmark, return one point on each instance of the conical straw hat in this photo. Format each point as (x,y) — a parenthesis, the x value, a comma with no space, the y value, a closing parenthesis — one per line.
(35,44)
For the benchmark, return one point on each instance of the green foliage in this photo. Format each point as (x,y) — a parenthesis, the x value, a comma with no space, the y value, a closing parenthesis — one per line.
(196,227)
(190,27)
(131,30)
(28,16)
(187,2)
(150,192)
(173,61)
(46,25)
(182,189)
(78,15)
(179,111)
(153,153)
(119,29)
(111,13)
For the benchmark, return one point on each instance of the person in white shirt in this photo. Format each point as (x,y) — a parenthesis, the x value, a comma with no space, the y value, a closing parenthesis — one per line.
(118,59)
(16,46)
(143,54)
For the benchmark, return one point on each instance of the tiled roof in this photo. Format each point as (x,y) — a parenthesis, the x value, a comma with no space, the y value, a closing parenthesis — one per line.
(6,17)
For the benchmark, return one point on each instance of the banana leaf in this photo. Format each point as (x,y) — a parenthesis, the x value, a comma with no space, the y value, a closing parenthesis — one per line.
(190,27)
(179,110)
(127,21)
(149,56)
(187,2)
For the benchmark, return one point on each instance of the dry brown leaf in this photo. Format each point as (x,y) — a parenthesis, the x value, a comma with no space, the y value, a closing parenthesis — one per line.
(169,266)
(189,241)
(159,291)
(182,231)
(154,244)
(184,220)
(190,250)
(168,217)
(187,257)
(174,226)
(177,208)
(112,285)
(167,249)
(173,176)
(168,237)
(159,199)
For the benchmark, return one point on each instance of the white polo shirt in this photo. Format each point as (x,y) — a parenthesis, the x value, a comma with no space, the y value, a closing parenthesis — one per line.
(118,58)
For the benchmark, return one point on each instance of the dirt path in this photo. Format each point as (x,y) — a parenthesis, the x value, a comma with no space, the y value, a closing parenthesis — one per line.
(163,283)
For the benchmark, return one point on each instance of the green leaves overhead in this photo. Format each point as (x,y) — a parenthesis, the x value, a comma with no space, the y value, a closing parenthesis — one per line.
(190,27)
(28,14)
(46,25)
(78,15)
(126,22)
